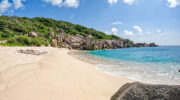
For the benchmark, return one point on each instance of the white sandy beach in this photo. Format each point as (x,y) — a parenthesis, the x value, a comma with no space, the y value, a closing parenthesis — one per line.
(53,76)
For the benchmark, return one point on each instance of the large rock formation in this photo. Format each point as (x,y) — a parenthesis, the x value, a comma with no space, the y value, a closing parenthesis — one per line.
(54,43)
(52,34)
(109,44)
(145,45)
(152,45)
(139,91)
(75,42)
(89,43)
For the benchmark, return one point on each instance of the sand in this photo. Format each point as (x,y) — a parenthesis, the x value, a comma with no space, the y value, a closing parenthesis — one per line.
(52,76)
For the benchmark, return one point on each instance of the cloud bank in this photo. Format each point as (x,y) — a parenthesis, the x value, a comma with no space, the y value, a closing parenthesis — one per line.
(129,33)
(114,31)
(130,2)
(18,3)
(138,29)
(111,2)
(4,6)
(158,30)
(60,3)
(173,3)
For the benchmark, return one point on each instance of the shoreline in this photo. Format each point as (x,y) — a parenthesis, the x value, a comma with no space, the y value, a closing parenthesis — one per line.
(102,63)
(53,76)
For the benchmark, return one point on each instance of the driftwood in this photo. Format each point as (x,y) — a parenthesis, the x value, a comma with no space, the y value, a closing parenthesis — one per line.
(32,52)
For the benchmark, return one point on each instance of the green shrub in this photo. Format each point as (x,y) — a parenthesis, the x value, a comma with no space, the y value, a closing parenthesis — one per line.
(16,26)
(28,41)
(14,29)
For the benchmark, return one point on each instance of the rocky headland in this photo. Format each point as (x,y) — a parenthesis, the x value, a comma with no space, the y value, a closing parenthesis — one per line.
(23,31)
(89,43)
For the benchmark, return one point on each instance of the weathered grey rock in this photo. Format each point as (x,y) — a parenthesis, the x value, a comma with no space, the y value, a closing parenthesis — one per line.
(64,45)
(52,34)
(54,43)
(81,43)
(95,47)
(33,34)
(61,31)
(69,47)
(141,45)
(60,38)
(89,42)
(75,45)
(139,91)
(152,45)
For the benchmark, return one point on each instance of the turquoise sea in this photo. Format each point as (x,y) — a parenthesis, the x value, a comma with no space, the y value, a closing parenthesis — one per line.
(157,65)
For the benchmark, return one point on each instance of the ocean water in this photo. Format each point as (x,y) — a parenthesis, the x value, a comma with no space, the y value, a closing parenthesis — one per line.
(156,65)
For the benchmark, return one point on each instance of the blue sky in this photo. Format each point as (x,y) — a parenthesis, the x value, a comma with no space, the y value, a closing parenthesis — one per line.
(139,20)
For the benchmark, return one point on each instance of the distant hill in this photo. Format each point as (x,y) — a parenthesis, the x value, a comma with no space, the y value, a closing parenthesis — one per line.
(12,27)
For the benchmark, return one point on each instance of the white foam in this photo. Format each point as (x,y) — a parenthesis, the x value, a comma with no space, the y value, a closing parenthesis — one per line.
(143,72)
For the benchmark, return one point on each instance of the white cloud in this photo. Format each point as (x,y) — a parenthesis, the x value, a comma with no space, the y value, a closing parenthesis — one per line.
(59,3)
(129,1)
(148,32)
(4,6)
(18,3)
(138,29)
(130,33)
(112,1)
(173,3)
(114,31)
(71,3)
(158,30)
(117,23)
(54,2)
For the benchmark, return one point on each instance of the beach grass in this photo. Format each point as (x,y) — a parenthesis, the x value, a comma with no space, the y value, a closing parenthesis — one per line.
(12,44)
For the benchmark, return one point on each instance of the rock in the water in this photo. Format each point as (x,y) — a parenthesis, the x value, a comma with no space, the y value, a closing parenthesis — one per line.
(33,34)
(152,45)
(54,43)
(139,91)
